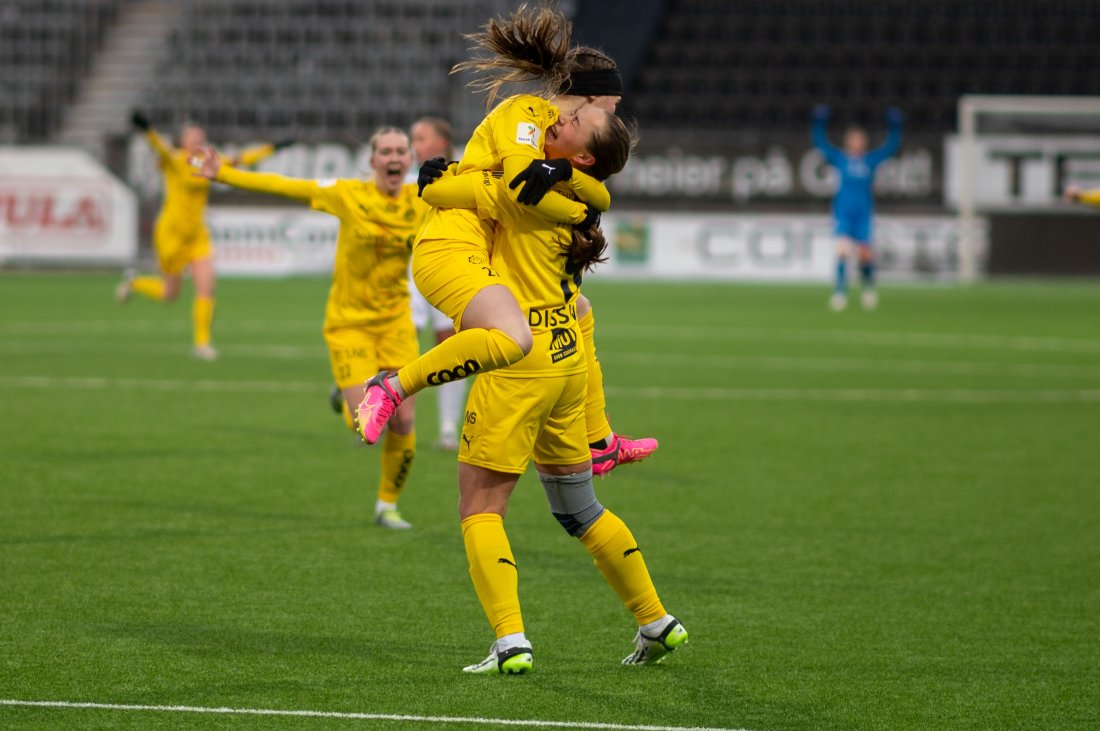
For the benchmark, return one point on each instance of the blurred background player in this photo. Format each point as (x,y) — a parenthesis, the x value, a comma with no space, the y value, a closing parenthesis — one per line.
(535,409)
(434,137)
(853,205)
(180,236)
(1090,197)
(368,323)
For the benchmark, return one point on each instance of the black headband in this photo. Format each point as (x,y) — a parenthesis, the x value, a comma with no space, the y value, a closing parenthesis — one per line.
(593,83)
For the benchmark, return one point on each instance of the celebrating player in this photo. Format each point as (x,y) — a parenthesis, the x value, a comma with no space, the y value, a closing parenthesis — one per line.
(1075,194)
(180,236)
(536,408)
(451,256)
(853,206)
(368,323)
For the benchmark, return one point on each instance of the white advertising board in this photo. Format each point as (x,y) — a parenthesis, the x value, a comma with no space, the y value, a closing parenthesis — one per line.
(61,205)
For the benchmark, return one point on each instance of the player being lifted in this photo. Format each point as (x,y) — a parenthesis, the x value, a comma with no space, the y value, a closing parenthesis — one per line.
(853,206)
(450,258)
(536,409)
(368,323)
(180,236)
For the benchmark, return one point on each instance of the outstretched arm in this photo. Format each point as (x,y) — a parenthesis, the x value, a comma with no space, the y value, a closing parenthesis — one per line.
(1088,197)
(893,139)
(214,168)
(820,134)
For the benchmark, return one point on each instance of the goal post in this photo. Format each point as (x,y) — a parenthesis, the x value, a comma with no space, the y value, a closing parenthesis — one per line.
(1074,121)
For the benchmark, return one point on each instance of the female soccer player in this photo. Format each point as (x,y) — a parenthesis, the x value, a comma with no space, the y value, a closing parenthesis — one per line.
(1076,195)
(853,205)
(180,236)
(536,408)
(451,256)
(368,323)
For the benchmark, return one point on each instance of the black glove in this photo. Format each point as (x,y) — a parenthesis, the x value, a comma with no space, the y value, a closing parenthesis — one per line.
(430,171)
(140,121)
(539,177)
(283,143)
(591,219)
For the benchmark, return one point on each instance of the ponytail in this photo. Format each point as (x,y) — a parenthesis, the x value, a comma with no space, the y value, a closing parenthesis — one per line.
(586,250)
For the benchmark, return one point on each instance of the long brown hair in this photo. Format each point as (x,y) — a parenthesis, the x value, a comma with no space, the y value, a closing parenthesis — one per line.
(530,45)
(611,146)
(586,250)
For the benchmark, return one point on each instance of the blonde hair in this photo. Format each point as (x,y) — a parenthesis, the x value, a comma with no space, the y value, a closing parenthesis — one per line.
(385,130)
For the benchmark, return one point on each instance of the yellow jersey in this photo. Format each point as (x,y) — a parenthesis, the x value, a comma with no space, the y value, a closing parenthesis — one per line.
(185,193)
(508,139)
(370,281)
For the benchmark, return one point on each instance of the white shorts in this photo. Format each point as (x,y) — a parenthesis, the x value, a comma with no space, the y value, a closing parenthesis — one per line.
(423,313)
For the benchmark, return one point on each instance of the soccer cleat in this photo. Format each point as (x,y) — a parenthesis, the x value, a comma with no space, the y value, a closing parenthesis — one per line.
(513,661)
(447,442)
(652,650)
(622,450)
(391,518)
(376,408)
(336,399)
(838,302)
(125,288)
(204,352)
(869,299)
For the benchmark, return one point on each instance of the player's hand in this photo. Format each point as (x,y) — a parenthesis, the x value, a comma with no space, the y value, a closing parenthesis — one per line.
(430,171)
(139,120)
(894,116)
(822,113)
(591,220)
(207,163)
(539,177)
(1071,192)
(281,144)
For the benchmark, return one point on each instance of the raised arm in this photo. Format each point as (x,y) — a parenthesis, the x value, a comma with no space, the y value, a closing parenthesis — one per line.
(819,131)
(889,148)
(214,168)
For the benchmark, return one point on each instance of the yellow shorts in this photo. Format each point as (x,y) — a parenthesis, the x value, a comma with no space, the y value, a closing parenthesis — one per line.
(509,421)
(450,273)
(177,249)
(358,353)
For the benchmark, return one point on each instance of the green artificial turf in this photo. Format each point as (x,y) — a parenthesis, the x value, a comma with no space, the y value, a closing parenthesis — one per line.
(879,520)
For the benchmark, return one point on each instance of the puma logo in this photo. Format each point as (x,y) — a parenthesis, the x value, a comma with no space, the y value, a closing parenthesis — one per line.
(548,168)
(629,551)
(504,560)
(467,440)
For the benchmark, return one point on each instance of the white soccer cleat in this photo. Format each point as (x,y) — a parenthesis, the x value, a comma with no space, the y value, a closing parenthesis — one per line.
(125,288)
(869,299)
(838,302)
(204,352)
(650,650)
(391,518)
(513,661)
(448,442)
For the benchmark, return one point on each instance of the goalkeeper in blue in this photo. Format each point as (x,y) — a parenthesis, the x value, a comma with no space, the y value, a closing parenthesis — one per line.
(853,206)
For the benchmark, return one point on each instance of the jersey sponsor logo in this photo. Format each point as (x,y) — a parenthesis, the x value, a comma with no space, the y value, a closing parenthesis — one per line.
(563,343)
(528,134)
(463,370)
(560,316)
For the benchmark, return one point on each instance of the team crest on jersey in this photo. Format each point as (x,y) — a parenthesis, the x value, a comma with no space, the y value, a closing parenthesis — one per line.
(528,134)
(563,343)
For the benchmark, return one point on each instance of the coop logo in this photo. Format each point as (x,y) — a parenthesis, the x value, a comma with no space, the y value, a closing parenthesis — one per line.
(527,134)
(465,370)
(563,344)
(53,212)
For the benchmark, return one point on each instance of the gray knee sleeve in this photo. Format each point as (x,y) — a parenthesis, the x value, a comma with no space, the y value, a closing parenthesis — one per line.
(572,501)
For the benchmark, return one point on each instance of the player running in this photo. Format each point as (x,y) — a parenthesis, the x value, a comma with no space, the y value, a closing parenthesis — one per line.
(180,237)
(853,206)
(536,409)
(451,256)
(368,324)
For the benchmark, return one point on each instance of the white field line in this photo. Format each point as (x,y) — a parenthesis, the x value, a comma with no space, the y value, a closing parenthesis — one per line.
(954,395)
(357,716)
(640,358)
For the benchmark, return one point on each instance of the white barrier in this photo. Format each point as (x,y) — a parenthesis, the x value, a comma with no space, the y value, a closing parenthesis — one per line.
(280,241)
(60,205)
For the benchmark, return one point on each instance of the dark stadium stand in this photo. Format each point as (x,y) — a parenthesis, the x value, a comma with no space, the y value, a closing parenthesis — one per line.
(723,64)
(45,50)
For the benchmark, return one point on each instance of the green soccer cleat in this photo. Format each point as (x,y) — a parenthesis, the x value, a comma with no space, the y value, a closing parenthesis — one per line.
(513,661)
(391,518)
(649,650)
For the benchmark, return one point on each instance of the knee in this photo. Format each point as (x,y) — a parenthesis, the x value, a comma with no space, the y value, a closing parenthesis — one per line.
(572,501)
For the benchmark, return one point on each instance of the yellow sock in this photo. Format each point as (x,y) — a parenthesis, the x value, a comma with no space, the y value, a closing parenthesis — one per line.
(460,356)
(493,569)
(348,418)
(595,405)
(202,314)
(151,287)
(619,560)
(398,451)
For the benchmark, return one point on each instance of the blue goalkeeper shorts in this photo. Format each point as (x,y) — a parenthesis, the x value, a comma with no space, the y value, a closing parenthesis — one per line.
(856,225)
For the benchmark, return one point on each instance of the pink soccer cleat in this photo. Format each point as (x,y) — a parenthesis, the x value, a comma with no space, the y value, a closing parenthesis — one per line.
(621,451)
(376,408)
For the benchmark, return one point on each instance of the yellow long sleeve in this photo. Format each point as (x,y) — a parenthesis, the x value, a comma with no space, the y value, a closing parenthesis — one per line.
(253,155)
(268,183)
(163,149)
(453,191)
(553,206)
(591,191)
(1090,197)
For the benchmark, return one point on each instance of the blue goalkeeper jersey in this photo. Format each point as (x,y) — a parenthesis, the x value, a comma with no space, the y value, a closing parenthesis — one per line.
(857,172)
